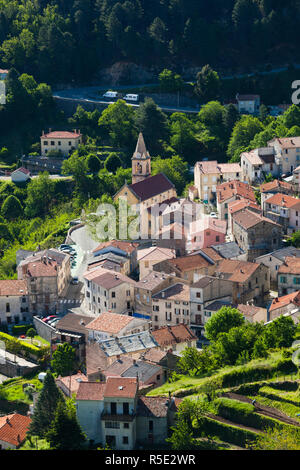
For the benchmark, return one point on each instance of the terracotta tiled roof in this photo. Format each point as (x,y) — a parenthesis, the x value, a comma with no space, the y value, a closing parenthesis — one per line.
(155,253)
(285,300)
(248,310)
(120,387)
(151,186)
(236,206)
(168,335)
(238,271)
(291,265)
(41,269)
(14,431)
(154,355)
(72,383)
(61,135)
(13,287)
(128,247)
(247,219)
(288,142)
(110,322)
(214,167)
(275,185)
(152,280)
(106,278)
(176,292)
(153,407)
(212,254)
(186,263)
(90,391)
(253,157)
(73,322)
(237,189)
(283,200)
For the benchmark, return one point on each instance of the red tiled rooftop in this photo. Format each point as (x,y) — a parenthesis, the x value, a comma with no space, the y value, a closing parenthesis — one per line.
(129,247)
(186,263)
(13,287)
(230,189)
(90,391)
(291,265)
(285,300)
(151,186)
(283,200)
(14,431)
(239,271)
(110,322)
(173,334)
(61,135)
(42,269)
(247,219)
(275,184)
(120,387)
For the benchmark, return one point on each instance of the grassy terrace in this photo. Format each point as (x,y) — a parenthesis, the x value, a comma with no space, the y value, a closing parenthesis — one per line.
(259,368)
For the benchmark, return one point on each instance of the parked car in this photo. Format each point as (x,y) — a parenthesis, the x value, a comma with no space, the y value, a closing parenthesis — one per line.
(213,215)
(53,321)
(46,319)
(75,280)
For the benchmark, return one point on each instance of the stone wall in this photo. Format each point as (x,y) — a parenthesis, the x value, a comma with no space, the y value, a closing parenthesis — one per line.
(43,329)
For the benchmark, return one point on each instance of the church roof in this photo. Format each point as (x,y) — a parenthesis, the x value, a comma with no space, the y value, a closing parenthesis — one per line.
(151,186)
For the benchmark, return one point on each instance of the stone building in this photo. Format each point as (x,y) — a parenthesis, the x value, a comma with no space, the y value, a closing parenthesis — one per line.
(255,234)
(63,141)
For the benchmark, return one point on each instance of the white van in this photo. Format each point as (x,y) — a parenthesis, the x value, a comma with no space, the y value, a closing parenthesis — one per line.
(110,94)
(130,97)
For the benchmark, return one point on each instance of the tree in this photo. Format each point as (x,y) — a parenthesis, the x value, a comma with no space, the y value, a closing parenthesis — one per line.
(45,408)
(291,117)
(63,361)
(243,132)
(174,168)
(230,117)
(65,432)
(195,362)
(113,162)
(40,192)
(208,85)
(31,333)
(222,321)
(11,208)
(170,81)
(279,333)
(263,112)
(152,122)
(117,123)
(182,437)
(93,163)
(294,239)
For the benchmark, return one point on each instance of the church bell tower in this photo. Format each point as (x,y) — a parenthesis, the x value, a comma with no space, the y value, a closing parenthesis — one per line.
(141,161)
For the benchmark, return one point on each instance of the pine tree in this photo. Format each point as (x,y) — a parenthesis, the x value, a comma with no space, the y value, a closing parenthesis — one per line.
(65,432)
(45,408)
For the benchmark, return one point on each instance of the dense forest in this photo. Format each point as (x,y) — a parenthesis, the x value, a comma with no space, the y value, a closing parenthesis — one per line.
(65,41)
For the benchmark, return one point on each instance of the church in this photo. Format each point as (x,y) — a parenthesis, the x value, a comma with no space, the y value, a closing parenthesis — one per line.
(146,190)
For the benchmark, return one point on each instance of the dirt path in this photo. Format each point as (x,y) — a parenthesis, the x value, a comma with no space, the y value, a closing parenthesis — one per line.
(264,410)
(231,423)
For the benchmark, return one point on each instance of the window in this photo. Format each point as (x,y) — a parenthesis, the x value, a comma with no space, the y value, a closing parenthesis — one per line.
(113,408)
(126,425)
(113,294)
(59,142)
(7,307)
(52,142)
(112,424)
(125,439)
(128,293)
(158,377)
(156,318)
(283,279)
(46,142)
(125,408)
(150,425)
(296,280)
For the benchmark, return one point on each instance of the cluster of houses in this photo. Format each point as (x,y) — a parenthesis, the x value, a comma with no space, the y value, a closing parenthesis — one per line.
(144,303)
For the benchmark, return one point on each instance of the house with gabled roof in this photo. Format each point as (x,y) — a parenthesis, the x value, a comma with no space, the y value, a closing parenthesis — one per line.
(232,191)
(268,190)
(114,413)
(285,210)
(13,430)
(63,141)
(256,234)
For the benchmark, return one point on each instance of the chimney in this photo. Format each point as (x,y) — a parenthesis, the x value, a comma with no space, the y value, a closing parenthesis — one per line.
(43,133)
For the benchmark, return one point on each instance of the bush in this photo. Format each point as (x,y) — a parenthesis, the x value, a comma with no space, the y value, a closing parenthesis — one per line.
(21,329)
(15,346)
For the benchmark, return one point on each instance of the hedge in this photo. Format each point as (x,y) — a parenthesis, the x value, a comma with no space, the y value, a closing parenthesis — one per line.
(244,413)
(267,392)
(226,432)
(15,346)
(21,329)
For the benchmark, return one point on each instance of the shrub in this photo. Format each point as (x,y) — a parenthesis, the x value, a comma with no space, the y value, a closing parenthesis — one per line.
(21,329)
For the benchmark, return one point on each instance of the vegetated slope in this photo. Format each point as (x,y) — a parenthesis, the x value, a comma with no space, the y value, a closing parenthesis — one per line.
(72,40)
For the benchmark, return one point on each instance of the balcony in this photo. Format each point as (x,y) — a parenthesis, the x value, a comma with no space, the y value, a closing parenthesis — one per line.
(105,416)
